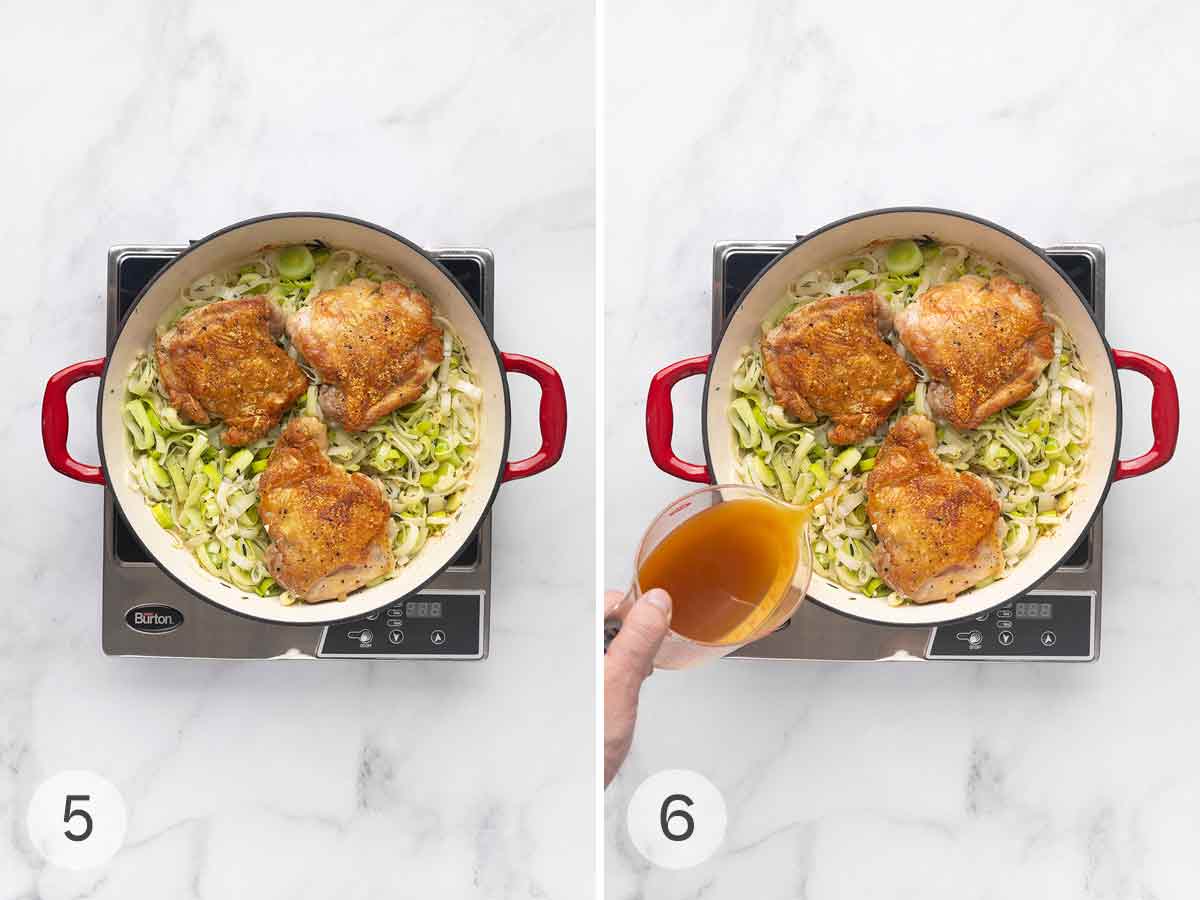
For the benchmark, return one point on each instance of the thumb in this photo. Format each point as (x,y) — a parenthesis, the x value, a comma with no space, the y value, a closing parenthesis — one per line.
(631,653)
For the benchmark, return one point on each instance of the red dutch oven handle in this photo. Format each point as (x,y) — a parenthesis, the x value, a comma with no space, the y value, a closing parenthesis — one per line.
(660,419)
(1164,414)
(55,422)
(552,416)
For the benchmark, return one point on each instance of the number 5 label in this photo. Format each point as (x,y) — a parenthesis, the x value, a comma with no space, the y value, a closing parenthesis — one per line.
(676,819)
(76,820)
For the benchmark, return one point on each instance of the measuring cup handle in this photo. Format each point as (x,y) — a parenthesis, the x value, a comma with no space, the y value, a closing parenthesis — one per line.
(616,615)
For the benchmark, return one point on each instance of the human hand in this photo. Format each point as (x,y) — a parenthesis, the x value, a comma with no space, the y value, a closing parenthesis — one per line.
(628,662)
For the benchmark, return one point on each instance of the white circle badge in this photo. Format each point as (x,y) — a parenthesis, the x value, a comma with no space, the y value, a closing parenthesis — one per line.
(676,818)
(76,820)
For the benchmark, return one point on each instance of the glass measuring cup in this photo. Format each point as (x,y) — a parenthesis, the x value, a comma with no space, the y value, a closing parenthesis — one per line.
(762,617)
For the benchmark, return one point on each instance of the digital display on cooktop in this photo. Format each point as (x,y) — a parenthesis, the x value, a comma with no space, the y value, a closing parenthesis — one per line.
(423,609)
(1033,610)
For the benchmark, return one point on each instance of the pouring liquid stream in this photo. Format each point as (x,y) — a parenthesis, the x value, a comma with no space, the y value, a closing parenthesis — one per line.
(727,568)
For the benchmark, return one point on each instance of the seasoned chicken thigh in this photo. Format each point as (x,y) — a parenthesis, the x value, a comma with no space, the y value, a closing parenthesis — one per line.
(328,529)
(939,530)
(221,361)
(984,343)
(829,358)
(373,345)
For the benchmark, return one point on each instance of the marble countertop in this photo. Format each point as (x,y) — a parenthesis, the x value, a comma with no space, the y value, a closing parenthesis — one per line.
(452,123)
(759,121)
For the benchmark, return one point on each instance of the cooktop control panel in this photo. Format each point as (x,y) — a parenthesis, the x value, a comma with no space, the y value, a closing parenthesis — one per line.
(425,626)
(1037,626)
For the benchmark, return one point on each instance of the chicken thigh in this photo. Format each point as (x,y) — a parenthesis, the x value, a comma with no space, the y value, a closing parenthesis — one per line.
(829,358)
(939,530)
(221,361)
(328,529)
(984,343)
(373,345)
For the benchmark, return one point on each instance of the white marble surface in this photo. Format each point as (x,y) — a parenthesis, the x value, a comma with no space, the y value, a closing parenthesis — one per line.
(760,120)
(452,123)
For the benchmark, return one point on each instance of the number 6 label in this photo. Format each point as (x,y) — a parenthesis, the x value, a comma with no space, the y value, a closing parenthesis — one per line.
(665,816)
(676,819)
(76,820)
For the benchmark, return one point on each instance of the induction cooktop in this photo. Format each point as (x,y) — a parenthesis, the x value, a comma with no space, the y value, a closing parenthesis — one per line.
(146,613)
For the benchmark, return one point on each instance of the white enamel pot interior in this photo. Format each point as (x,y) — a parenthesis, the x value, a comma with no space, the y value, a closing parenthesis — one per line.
(1060,296)
(235,243)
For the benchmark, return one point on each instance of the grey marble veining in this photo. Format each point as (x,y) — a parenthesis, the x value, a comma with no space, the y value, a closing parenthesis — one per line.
(452,123)
(761,120)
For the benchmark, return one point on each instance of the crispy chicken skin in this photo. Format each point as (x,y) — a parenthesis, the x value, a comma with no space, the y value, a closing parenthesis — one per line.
(373,345)
(984,343)
(939,530)
(328,529)
(829,358)
(221,361)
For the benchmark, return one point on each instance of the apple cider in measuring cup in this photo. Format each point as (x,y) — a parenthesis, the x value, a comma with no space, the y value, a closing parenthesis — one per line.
(727,568)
